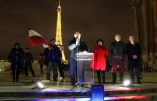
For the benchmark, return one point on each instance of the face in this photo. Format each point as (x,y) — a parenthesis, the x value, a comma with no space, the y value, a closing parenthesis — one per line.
(52,42)
(17,46)
(117,38)
(77,35)
(131,38)
(99,42)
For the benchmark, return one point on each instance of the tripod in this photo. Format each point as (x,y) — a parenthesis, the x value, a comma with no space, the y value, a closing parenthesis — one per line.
(77,84)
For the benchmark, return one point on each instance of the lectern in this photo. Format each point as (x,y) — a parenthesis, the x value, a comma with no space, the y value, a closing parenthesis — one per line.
(85,73)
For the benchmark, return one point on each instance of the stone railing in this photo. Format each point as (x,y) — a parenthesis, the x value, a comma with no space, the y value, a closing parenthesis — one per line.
(5,65)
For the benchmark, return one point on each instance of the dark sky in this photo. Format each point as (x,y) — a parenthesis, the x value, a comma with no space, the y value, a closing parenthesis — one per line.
(92,18)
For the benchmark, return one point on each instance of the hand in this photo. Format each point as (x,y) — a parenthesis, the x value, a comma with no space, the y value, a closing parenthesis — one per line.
(118,66)
(77,42)
(135,56)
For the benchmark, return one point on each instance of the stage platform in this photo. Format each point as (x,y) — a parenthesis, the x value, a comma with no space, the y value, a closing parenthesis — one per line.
(25,90)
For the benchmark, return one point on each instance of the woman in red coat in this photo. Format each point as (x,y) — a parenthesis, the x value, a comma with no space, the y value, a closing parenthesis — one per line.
(99,61)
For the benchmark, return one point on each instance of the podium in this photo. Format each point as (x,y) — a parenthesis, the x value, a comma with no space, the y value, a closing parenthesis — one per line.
(85,73)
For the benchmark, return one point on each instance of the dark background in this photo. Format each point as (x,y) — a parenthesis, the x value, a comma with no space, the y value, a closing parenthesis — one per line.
(92,18)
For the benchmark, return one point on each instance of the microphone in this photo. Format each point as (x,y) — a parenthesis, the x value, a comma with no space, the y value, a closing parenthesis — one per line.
(77,42)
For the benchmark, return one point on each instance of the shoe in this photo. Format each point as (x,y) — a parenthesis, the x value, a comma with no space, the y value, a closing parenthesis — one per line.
(48,79)
(139,82)
(33,76)
(72,81)
(72,84)
(104,82)
(113,82)
(141,77)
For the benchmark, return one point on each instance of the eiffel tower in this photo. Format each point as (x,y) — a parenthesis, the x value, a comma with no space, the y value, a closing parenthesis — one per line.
(59,32)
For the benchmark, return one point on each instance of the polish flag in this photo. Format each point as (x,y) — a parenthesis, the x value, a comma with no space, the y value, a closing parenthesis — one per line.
(36,39)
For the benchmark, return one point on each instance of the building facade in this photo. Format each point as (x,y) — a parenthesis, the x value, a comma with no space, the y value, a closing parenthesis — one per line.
(145,12)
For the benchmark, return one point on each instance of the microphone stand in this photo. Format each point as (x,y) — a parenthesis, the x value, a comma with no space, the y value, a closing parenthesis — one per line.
(77,84)
(76,75)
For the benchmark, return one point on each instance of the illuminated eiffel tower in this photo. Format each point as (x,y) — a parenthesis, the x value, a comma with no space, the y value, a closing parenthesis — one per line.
(59,31)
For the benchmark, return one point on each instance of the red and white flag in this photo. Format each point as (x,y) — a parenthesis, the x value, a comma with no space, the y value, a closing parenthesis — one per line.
(36,39)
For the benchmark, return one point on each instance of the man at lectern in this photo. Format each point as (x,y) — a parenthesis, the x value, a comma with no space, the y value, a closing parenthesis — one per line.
(76,45)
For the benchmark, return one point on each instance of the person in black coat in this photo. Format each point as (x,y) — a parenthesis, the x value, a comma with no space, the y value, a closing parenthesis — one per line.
(28,60)
(53,59)
(76,45)
(134,59)
(15,57)
(117,53)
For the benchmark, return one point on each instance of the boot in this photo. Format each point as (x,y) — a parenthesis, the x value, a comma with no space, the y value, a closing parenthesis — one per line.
(103,76)
(132,78)
(98,75)
(114,78)
(121,77)
(72,81)
(139,80)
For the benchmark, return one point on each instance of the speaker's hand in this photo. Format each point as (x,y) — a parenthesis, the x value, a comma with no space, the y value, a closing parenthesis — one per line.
(77,42)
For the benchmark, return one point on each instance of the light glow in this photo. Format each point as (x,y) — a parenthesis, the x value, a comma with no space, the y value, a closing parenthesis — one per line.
(127,83)
(40,85)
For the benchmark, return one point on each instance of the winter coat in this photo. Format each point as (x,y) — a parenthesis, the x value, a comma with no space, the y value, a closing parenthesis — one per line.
(76,49)
(16,56)
(28,58)
(99,61)
(133,50)
(117,50)
(53,54)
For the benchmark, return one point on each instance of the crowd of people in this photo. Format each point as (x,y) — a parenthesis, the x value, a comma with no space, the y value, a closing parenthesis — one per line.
(21,61)
(117,51)
(53,59)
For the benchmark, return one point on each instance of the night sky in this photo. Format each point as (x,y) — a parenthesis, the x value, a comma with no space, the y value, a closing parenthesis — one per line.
(92,18)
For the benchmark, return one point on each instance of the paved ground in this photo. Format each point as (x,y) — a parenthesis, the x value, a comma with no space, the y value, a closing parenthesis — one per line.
(25,84)
(149,81)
